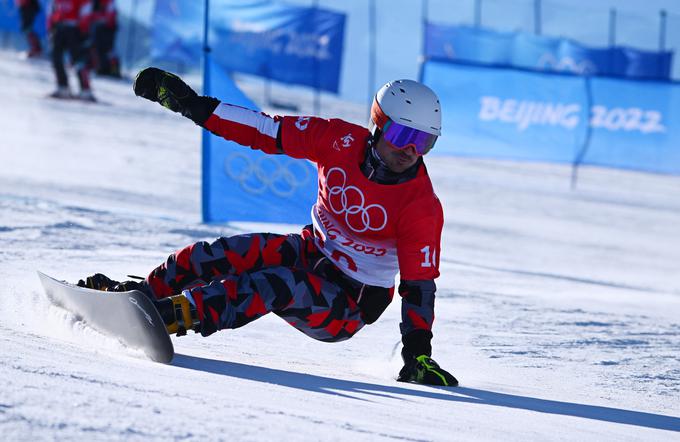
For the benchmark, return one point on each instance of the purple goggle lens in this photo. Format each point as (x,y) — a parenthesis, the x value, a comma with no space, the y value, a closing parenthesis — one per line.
(401,137)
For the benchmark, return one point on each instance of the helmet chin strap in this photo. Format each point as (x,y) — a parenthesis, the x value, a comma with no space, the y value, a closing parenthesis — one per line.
(374,168)
(372,143)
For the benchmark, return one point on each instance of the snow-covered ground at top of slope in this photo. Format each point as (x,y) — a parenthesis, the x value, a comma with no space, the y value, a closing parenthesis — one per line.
(558,309)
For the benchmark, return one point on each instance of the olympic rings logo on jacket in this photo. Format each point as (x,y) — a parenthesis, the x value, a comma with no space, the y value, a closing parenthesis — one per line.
(350,201)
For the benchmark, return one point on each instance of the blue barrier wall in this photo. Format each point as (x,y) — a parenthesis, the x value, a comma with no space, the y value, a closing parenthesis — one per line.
(9,17)
(635,125)
(505,113)
(291,44)
(177,32)
(465,44)
(240,184)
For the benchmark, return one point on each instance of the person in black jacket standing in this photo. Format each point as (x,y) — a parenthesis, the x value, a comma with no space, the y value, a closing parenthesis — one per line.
(28,11)
(69,27)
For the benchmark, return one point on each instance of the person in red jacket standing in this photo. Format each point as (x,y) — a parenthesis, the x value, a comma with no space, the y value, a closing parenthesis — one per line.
(28,10)
(104,27)
(68,24)
(376,215)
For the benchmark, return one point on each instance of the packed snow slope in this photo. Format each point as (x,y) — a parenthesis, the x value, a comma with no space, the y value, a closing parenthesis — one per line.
(558,309)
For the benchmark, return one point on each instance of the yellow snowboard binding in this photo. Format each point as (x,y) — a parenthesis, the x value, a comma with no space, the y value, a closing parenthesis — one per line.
(179,314)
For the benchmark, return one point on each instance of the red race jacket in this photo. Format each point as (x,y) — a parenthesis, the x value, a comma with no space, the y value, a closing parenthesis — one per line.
(370,230)
(70,12)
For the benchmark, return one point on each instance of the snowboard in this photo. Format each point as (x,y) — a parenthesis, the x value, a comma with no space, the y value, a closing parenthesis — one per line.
(129,316)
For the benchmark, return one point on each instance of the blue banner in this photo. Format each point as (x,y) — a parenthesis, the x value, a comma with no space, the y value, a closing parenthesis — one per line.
(291,44)
(177,32)
(241,184)
(634,125)
(464,44)
(505,113)
(9,16)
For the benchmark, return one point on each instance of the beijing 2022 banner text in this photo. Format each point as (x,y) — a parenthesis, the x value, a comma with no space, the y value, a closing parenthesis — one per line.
(506,113)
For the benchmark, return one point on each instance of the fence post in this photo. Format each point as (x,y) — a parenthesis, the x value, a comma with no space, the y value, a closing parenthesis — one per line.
(663,18)
(372,61)
(205,145)
(578,159)
(317,69)
(478,13)
(423,56)
(612,27)
(206,48)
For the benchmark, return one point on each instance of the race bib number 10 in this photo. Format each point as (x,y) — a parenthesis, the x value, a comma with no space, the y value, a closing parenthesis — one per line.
(429,258)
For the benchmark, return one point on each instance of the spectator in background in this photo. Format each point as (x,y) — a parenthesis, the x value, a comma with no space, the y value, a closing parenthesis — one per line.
(28,10)
(104,27)
(69,26)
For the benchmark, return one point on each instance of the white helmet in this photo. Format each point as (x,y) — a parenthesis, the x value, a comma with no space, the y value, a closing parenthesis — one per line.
(409,103)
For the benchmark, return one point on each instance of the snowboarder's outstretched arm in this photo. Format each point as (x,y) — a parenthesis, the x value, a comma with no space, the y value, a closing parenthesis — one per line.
(246,127)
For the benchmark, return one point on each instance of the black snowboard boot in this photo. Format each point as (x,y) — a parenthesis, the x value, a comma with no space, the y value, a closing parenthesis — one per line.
(102,282)
(98,281)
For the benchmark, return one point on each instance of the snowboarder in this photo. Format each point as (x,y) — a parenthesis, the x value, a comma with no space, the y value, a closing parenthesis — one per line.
(28,11)
(376,215)
(69,26)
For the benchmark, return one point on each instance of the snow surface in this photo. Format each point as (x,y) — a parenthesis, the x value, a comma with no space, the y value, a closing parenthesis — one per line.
(558,309)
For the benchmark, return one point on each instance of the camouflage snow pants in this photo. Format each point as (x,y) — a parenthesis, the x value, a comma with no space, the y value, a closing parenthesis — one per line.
(238,279)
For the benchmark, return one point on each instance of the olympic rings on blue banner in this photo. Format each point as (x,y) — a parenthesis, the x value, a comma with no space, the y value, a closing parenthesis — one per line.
(280,175)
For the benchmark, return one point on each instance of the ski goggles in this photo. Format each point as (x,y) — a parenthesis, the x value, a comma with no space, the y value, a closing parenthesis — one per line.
(401,137)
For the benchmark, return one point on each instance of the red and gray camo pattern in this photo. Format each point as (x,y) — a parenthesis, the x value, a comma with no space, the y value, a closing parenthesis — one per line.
(236,280)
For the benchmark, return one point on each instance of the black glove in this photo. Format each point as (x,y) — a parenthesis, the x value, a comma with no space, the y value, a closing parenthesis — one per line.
(424,370)
(170,91)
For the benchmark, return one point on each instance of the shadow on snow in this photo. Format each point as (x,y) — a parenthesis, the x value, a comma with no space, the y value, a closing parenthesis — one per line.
(339,387)
(555,276)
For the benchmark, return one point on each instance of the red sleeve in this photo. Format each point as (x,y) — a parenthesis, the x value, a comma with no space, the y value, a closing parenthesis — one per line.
(305,137)
(308,138)
(246,127)
(419,240)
